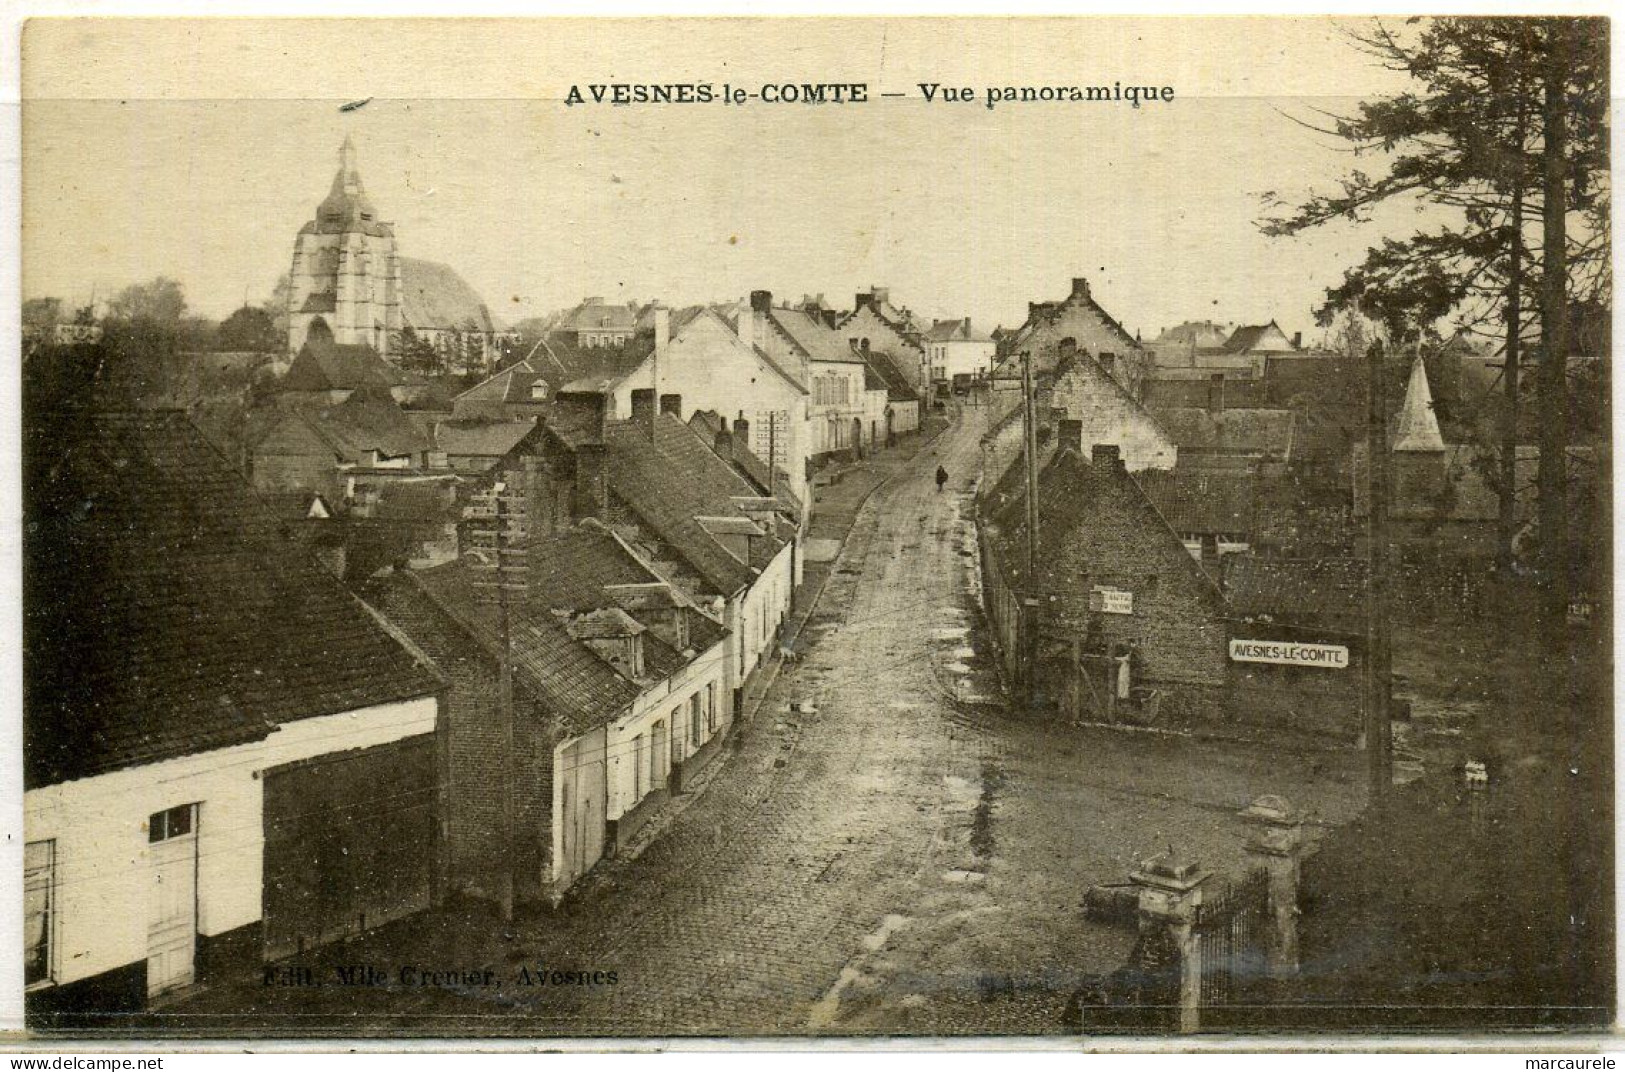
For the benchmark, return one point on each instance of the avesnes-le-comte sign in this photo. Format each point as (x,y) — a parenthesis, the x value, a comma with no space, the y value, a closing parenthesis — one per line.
(1290,653)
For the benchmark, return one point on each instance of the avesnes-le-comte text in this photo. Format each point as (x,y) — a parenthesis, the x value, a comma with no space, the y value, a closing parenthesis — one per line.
(629,94)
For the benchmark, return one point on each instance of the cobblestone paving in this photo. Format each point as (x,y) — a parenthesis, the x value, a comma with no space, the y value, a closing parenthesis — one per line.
(888,851)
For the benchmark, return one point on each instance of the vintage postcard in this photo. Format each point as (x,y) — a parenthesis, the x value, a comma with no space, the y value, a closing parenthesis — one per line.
(826,527)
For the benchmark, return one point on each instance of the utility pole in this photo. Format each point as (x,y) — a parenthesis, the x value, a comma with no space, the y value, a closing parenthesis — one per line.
(1378,728)
(772,451)
(496,532)
(1029,607)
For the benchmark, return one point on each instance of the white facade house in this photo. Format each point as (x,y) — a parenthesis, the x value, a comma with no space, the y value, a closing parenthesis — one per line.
(955,349)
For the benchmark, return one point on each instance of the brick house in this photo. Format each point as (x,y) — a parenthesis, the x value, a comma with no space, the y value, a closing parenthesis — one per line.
(1118,622)
(876,324)
(1076,324)
(208,717)
(619,693)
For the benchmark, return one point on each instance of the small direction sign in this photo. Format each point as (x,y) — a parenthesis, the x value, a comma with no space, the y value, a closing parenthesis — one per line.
(1111,601)
(1290,653)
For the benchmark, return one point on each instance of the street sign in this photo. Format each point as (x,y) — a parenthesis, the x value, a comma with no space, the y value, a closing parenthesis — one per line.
(1290,653)
(1111,601)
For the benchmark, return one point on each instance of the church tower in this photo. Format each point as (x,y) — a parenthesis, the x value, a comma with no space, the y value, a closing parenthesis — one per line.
(1417,451)
(345,284)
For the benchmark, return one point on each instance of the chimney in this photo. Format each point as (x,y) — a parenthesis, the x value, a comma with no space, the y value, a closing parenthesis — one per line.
(880,294)
(861,300)
(1107,456)
(1080,287)
(723,444)
(672,404)
(830,317)
(643,410)
(591,497)
(1215,392)
(1297,340)
(742,430)
(662,329)
(587,408)
(1071,437)
(761,301)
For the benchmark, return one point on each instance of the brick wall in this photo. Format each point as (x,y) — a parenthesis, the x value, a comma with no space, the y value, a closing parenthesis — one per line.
(476,743)
(1086,394)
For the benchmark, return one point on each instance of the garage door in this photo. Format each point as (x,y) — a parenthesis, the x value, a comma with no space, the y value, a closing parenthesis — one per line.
(350,843)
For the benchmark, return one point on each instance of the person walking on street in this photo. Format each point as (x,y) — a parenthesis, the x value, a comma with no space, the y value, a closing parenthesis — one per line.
(942,477)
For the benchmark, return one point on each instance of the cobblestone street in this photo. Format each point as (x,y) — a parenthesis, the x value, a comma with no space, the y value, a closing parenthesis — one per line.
(888,851)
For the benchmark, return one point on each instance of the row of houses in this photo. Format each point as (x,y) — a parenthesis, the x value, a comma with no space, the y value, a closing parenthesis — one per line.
(265,698)
(1199,558)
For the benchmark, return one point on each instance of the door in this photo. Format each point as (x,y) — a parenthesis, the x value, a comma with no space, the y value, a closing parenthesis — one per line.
(660,756)
(581,771)
(172,900)
(350,842)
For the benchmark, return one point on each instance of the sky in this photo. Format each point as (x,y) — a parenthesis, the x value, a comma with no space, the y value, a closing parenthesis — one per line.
(197,149)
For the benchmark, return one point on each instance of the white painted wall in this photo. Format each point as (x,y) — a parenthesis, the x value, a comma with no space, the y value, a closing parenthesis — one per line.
(99,825)
(654,704)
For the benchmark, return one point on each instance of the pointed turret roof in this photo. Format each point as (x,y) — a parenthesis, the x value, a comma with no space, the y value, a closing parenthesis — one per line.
(346,206)
(1417,429)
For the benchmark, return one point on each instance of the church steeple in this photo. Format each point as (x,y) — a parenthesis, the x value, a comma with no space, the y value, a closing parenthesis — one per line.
(1417,430)
(346,206)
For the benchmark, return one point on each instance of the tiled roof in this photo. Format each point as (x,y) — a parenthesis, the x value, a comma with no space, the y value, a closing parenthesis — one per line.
(707,423)
(597,368)
(669,483)
(1328,592)
(815,340)
(369,419)
(1202,500)
(896,381)
(955,331)
(563,674)
(328,366)
(1200,333)
(595,314)
(485,439)
(1241,431)
(435,297)
(168,611)
(1068,489)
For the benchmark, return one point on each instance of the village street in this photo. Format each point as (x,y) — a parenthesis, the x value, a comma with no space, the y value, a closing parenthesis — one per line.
(888,850)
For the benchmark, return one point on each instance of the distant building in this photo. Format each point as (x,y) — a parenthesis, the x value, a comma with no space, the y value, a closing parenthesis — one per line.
(876,324)
(1076,324)
(833,371)
(348,285)
(346,278)
(596,323)
(957,352)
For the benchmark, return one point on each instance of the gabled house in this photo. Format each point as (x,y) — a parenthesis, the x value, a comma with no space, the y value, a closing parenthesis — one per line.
(1077,324)
(1116,621)
(208,715)
(597,324)
(327,373)
(876,324)
(957,353)
(831,369)
(336,449)
(519,391)
(902,410)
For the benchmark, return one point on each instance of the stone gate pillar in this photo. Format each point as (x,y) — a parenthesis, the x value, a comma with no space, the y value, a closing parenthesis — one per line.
(1170,891)
(1275,844)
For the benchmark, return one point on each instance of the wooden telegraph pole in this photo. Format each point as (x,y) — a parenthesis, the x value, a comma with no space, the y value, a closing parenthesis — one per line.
(496,533)
(1030,458)
(1378,727)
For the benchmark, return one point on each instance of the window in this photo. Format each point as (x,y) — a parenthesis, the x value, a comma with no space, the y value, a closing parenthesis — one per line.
(711,707)
(694,720)
(174,823)
(637,768)
(39,910)
(657,772)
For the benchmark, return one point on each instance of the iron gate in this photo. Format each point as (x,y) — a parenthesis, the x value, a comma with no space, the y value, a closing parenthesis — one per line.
(1230,933)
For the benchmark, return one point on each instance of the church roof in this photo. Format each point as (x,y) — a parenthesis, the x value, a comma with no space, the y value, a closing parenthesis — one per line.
(1417,429)
(434,297)
(346,207)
